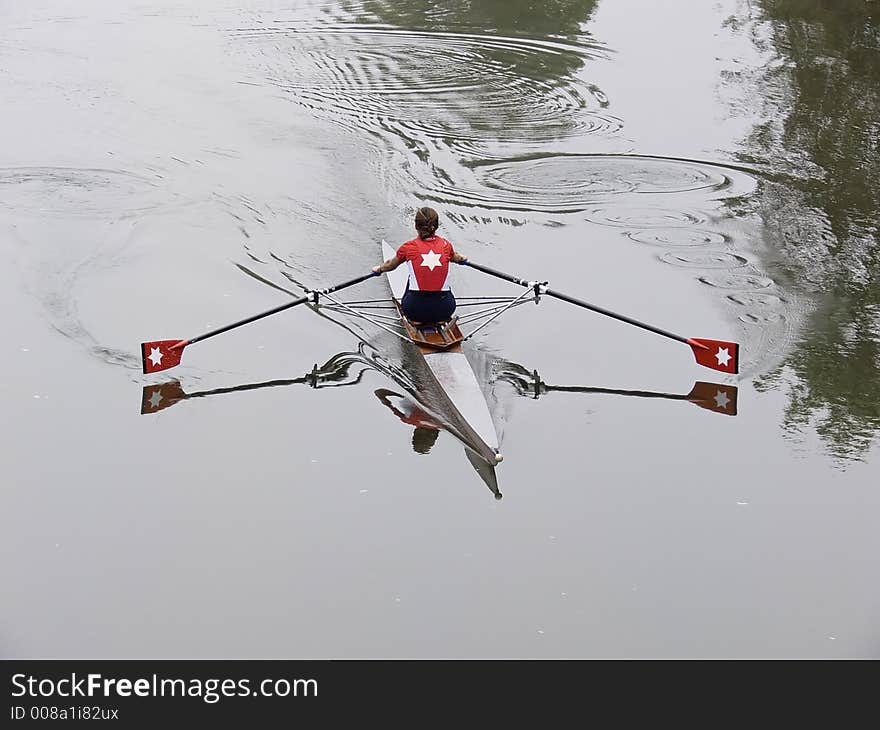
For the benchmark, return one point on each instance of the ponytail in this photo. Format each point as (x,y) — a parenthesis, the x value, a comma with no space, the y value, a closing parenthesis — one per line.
(427,222)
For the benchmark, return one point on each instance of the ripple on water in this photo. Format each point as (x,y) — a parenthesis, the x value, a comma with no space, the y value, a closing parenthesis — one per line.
(737,281)
(75,191)
(636,217)
(678,237)
(756,299)
(481,137)
(762,308)
(575,181)
(704,259)
(761,318)
(457,86)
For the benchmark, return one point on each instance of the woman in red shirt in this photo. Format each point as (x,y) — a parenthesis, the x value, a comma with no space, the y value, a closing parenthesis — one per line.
(428,298)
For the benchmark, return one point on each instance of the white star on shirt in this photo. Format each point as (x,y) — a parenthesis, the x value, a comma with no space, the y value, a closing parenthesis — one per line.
(723,356)
(431,259)
(155,399)
(155,356)
(721,400)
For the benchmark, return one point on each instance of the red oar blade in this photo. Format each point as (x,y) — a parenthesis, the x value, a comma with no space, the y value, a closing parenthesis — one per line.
(161,354)
(716,354)
(715,397)
(157,397)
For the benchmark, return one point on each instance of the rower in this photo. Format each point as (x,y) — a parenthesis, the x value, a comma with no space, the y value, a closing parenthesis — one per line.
(428,298)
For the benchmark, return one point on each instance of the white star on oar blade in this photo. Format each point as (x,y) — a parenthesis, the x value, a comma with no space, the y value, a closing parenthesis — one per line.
(723,356)
(721,400)
(155,399)
(431,259)
(155,356)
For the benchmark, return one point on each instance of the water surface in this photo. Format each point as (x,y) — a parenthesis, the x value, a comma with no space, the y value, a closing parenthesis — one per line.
(709,168)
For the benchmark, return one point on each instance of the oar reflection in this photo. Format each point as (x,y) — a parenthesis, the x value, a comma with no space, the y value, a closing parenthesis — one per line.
(348,368)
(335,373)
(344,369)
(716,397)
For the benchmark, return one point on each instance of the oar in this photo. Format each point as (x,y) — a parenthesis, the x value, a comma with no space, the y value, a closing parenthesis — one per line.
(164,354)
(716,354)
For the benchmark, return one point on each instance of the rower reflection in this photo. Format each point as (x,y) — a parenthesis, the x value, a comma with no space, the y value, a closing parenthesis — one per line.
(426,429)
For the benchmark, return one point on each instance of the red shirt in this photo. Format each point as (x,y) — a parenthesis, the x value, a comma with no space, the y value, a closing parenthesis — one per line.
(428,262)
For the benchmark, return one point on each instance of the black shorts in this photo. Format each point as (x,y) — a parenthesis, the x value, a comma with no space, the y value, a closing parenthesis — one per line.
(428,306)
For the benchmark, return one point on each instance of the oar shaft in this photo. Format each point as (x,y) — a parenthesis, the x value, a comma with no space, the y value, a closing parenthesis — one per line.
(578,302)
(496,273)
(615,315)
(248,320)
(281,308)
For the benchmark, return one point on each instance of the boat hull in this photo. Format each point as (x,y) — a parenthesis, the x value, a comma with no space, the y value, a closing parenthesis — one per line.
(464,403)
(467,404)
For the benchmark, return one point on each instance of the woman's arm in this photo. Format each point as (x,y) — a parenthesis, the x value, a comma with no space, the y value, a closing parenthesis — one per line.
(388,265)
(458,258)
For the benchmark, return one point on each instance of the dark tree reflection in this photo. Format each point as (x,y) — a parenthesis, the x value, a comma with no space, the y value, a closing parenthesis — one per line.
(825,217)
(529,17)
(554,19)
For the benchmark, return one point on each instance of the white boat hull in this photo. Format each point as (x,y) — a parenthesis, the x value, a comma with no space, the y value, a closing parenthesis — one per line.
(466,408)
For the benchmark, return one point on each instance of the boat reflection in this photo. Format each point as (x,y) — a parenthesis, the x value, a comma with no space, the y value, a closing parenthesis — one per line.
(426,429)
(345,369)
(348,368)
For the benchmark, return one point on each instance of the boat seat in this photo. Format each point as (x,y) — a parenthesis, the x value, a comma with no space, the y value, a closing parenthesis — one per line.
(429,325)
(435,334)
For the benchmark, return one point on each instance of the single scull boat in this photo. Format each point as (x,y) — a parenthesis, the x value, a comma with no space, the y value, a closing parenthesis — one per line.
(440,348)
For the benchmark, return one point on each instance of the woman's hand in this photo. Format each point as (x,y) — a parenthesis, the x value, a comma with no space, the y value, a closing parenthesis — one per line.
(377,269)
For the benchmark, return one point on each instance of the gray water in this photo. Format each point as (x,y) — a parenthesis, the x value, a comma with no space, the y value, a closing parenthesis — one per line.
(167,167)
